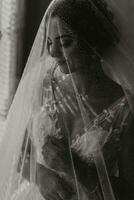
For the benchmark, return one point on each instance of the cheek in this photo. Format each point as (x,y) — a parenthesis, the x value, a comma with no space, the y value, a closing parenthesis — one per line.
(76,56)
(72,53)
(72,50)
(75,59)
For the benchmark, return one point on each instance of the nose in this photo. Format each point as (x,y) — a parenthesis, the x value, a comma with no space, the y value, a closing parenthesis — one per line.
(55,50)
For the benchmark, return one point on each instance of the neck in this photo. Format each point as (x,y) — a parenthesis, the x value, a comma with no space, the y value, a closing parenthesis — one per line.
(99,87)
(86,79)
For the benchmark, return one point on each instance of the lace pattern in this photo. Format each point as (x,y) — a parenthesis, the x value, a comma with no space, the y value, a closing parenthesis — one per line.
(107,126)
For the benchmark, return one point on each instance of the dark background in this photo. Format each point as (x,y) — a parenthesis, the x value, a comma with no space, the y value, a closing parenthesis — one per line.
(34,11)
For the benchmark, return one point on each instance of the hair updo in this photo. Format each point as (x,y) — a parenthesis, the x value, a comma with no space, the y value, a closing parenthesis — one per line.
(90,20)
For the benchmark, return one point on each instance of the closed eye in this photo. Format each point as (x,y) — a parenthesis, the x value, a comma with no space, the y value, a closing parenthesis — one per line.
(49,42)
(66,42)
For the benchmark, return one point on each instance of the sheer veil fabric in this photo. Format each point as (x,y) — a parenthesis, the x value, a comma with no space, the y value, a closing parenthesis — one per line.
(29,118)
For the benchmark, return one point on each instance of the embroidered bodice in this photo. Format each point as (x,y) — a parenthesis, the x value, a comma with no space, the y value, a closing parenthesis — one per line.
(62,116)
(107,128)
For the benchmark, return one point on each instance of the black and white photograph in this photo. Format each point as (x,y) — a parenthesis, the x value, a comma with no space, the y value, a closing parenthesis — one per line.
(67,100)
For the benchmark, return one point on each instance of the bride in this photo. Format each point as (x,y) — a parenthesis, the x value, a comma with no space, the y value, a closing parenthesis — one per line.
(70,127)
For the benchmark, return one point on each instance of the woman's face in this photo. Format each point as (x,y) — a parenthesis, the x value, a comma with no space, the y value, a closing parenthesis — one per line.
(62,45)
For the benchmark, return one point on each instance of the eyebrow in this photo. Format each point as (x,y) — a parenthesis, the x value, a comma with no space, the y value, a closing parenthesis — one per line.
(61,36)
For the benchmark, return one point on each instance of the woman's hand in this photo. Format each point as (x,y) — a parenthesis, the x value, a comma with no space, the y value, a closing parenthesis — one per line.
(57,155)
(52,186)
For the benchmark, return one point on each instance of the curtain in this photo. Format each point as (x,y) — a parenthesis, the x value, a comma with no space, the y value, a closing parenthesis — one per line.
(11,27)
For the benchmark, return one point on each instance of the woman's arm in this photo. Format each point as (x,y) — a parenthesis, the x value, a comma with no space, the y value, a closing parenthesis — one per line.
(58,157)
(53,186)
(51,183)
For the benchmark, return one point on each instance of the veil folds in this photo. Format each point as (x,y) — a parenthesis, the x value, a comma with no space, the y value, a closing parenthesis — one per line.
(30,112)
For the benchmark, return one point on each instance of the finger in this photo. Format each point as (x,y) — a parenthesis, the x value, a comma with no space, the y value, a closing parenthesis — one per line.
(60,196)
(65,192)
(73,197)
(48,197)
(65,195)
(73,103)
(53,196)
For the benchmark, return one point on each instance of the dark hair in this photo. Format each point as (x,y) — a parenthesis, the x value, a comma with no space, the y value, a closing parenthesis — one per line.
(90,20)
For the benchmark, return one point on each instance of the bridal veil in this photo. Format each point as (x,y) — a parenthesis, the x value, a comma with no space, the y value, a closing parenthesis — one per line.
(27,113)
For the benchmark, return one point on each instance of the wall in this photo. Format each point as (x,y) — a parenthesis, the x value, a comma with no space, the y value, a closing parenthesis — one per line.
(35,10)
